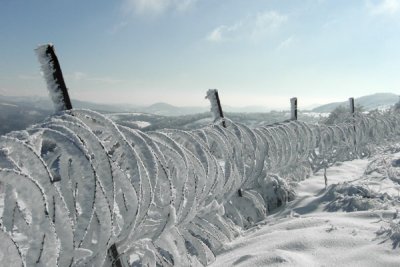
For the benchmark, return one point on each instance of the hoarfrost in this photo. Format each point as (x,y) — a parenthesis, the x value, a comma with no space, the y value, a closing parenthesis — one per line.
(81,190)
(215,105)
(47,64)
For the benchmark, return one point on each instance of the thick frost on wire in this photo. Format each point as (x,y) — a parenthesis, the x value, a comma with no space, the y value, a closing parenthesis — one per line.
(78,186)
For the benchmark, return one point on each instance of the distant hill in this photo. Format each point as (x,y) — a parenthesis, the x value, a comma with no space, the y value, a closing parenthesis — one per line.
(368,102)
(161,108)
(151,122)
(170,110)
(19,115)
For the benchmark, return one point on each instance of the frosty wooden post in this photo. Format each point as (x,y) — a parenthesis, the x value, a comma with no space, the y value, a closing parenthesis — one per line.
(293,104)
(351,103)
(352,111)
(216,109)
(54,79)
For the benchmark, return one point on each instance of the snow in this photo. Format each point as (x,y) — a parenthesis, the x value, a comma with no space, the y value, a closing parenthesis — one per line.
(308,232)
(316,114)
(128,114)
(319,240)
(8,104)
(140,124)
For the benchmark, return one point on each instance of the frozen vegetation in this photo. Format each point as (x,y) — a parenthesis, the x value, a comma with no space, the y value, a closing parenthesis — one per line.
(80,190)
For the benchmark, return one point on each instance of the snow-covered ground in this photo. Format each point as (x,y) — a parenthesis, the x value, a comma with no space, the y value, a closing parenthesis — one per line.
(352,222)
(317,114)
(139,124)
(8,104)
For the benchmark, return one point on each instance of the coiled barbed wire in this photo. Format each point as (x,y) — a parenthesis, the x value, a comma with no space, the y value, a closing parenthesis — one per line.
(78,185)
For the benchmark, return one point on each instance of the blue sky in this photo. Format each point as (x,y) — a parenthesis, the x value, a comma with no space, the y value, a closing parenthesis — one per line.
(256,52)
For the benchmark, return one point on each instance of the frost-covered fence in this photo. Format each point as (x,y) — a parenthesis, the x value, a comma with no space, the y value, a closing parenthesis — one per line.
(78,184)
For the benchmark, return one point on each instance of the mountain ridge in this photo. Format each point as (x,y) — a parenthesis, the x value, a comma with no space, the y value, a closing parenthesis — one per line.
(368,102)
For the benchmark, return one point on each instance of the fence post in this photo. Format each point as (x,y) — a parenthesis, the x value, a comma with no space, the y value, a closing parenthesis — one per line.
(54,78)
(352,111)
(293,104)
(216,108)
(351,103)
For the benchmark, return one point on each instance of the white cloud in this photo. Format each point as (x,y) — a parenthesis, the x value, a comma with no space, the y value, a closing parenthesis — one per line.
(267,22)
(253,27)
(286,43)
(156,6)
(216,34)
(183,5)
(383,7)
(223,32)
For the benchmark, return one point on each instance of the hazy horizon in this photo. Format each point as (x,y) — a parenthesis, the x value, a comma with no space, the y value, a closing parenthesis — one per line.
(260,53)
(205,104)
(199,102)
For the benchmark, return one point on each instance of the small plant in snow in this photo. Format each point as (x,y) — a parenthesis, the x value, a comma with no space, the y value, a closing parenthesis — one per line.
(392,231)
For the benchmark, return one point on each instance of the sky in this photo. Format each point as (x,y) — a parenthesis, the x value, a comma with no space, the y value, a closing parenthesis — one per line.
(255,52)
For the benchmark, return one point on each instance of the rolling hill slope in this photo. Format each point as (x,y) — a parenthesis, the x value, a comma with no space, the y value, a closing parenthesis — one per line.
(368,102)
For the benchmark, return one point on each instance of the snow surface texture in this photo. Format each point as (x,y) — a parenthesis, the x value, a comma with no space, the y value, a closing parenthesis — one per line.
(353,222)
(79,186)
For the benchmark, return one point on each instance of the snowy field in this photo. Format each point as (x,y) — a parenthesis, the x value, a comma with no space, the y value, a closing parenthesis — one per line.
(352,222)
